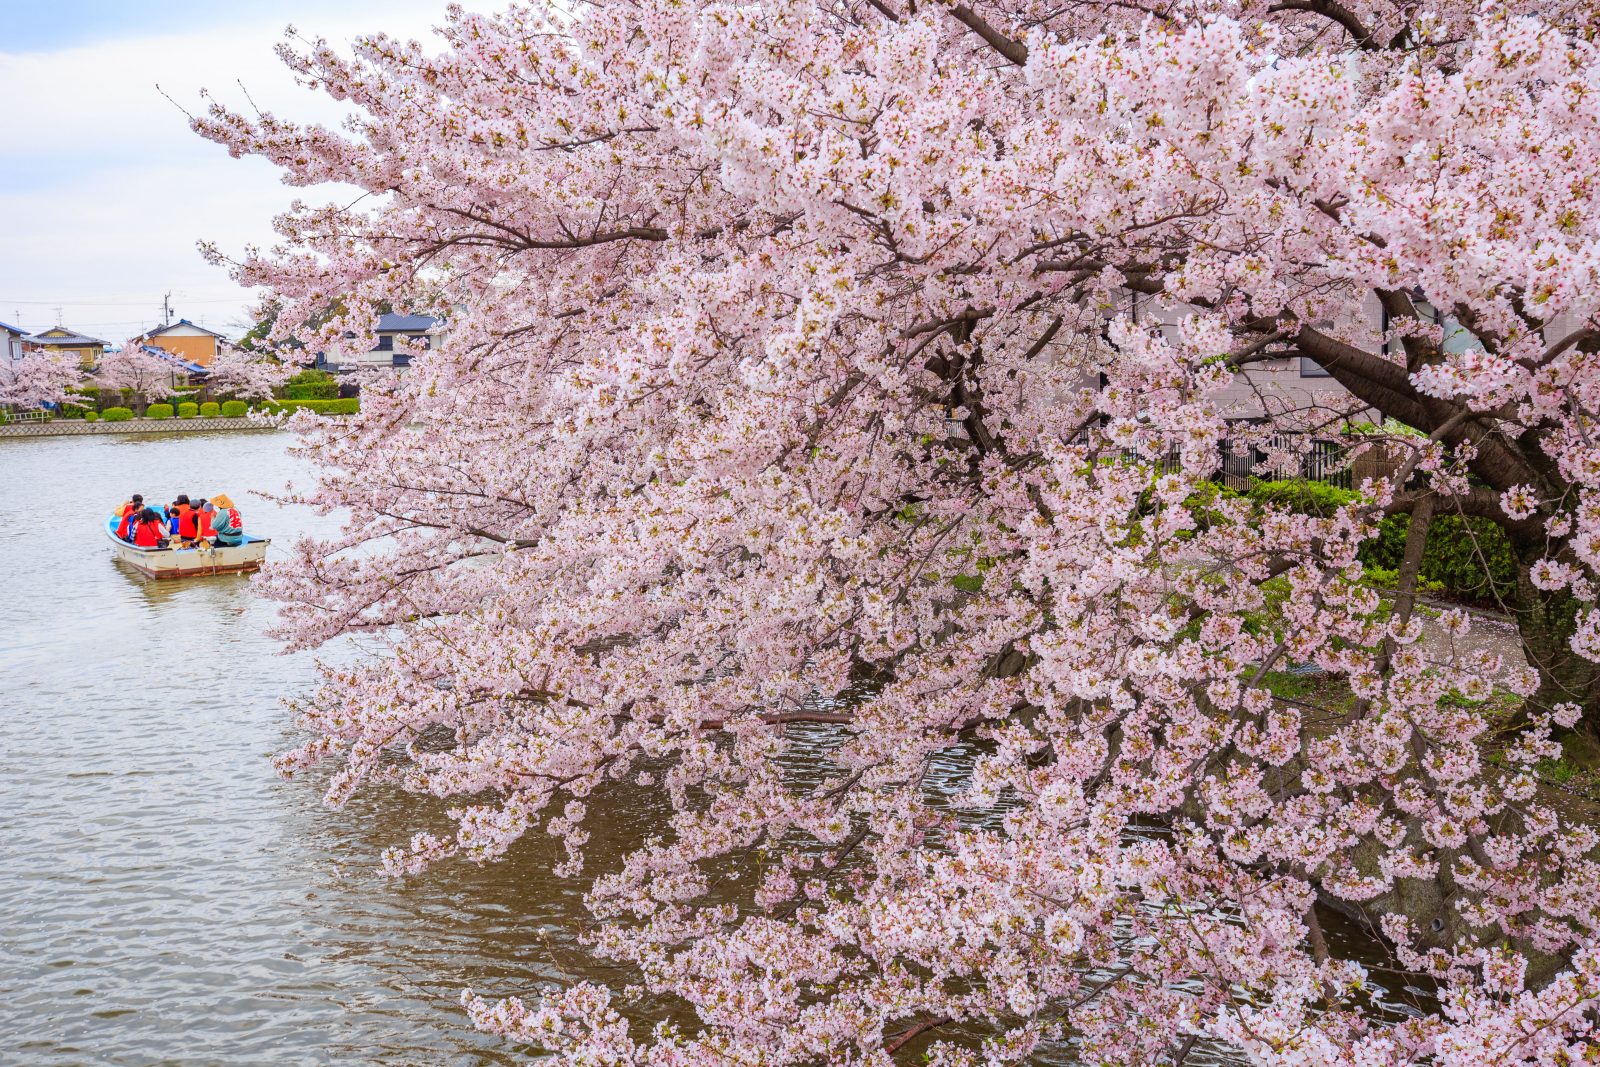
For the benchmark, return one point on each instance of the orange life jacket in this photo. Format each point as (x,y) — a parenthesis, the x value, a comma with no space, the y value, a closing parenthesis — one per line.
(186,523)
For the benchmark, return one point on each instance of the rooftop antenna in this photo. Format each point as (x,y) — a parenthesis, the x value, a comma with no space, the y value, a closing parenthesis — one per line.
(58,316)
(166,308)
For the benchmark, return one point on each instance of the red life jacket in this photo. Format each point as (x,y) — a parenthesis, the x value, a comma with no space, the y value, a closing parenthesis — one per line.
(186,523)
(147,534)
(205,524)
(125,527)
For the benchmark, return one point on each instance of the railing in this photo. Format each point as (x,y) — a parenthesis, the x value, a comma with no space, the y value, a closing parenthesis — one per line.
(1283,458)
(1314,461)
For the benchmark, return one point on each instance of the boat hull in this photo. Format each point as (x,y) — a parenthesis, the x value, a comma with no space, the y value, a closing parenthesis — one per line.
(198,562)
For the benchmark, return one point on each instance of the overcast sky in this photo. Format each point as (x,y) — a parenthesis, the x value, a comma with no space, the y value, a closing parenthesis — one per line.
(104,191)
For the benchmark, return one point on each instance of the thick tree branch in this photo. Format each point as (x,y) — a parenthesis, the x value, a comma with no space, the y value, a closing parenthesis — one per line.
(1013,50)
(1334,12)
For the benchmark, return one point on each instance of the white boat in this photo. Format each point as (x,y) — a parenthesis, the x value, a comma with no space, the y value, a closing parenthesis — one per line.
(194,562)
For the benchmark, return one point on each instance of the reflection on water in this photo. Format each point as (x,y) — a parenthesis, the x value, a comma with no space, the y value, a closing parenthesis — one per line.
(165,898)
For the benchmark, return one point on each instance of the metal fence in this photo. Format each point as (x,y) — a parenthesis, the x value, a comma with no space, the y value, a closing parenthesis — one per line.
(1282,458)
(1313,461)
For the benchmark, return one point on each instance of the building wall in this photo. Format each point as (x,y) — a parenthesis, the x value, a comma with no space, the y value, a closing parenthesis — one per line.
(201,349)
(87,356)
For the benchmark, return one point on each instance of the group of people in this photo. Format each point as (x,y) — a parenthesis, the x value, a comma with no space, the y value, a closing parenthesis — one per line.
(181,524)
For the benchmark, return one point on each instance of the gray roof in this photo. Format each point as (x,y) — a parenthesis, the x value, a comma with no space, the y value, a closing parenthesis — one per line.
(68,336)
(159,330)
(392,323)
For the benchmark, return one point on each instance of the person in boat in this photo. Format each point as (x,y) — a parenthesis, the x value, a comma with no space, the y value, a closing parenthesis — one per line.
(204,514)
(227,524)
(128,514)
(188,521)
(149,531)
(175,515)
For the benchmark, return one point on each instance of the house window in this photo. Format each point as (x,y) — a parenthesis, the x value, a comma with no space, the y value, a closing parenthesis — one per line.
(1456,337)
(385,343)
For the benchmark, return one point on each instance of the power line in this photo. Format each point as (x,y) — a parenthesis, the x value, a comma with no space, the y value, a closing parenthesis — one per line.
(243,298)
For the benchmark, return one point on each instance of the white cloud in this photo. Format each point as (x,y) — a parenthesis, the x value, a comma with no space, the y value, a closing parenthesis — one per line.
(104,191)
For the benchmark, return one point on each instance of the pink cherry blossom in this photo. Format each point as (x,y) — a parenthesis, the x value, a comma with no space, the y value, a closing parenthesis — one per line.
(37,378)
(825,445)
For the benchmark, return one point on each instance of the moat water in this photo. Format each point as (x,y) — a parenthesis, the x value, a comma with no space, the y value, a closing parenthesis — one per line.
(164,897)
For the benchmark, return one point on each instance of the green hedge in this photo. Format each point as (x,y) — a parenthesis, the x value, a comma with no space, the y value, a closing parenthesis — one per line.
(188,410)
(347,406)
(117,414)
(154,411)
(311,385)
(1469,558)
(210,409)
(91,416)
(232,409)
(1308,498)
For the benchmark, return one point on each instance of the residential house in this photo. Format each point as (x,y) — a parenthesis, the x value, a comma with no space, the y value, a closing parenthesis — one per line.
(398,336)
(190,343)
(11,339)
(181,368)
(64,339)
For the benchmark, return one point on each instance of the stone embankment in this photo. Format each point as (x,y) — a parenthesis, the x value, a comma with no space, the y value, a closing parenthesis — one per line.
(60,427)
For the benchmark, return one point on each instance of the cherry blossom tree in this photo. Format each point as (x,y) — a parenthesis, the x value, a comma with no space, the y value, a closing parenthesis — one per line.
(37,378)
(249,375)
(137,369)
(825,447)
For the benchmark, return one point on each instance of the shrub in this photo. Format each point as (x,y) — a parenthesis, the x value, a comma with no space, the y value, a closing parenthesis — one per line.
(1467,558)
(232,409)
(118,414)
(1308,498)
(210,409)
(347,406)
(154,411)
(91,416)
(311,385)
(188,410)
(1470,557)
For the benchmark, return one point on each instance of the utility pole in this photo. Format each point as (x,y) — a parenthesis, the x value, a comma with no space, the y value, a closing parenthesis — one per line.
(166,308)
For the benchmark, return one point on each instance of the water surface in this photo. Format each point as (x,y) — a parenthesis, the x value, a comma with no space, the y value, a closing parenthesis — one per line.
(164,898)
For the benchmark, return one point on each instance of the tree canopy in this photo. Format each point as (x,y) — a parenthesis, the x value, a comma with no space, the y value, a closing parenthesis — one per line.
(844,386)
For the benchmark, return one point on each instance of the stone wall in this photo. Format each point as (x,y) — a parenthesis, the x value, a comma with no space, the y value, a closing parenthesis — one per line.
(60,427)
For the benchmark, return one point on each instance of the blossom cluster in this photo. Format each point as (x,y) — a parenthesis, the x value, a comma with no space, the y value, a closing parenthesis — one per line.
(826,444)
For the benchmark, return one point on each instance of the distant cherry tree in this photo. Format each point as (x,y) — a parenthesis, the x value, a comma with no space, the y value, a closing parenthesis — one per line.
(826,446)
(246,374)
(136,369)
(37,378)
